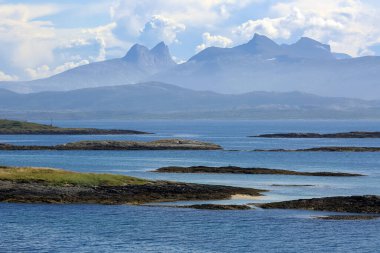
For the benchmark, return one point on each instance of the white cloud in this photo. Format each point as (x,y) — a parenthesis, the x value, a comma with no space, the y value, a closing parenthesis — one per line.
(25,40)
(271,27)
(160,28)
(5,77)
(104,37)
(213,40)
(34,48)
(164,19)
(45,71)
(134,14)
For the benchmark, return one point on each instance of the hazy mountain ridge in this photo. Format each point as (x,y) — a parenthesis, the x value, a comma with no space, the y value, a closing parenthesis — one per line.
(160,98)
(137,64)
(259,65)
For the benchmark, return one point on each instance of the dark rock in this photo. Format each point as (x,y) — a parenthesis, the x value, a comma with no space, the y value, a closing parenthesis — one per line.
(218,207)
(317,135)
(170,144)
(352,204)
(348,217)
(159,191)
(254,171)
(325,149)
(292,185)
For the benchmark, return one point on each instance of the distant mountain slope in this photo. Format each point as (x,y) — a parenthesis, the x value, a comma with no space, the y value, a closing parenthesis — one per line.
(166,98)
(261,64)
(136,65)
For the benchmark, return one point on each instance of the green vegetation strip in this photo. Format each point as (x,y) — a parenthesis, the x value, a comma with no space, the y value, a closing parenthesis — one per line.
(21,125)
(61,177)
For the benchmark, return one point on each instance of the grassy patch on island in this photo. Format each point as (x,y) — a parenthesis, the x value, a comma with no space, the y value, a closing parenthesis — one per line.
(23,125)
(61,177)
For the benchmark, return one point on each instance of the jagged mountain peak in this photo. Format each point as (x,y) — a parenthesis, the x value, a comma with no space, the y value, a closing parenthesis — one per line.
(261,39)
(308,42)
(309,48)
(160,47)
(261,45)
(136,52)
(158,57)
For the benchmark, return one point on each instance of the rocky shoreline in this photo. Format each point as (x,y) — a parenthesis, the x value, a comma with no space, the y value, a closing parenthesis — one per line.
(72,131)
(169,144)
(160,191)
(252,171)
(217,207)
(29,185)
(13,127)
(324,149)
(348,217)
(351,204)
(356,134)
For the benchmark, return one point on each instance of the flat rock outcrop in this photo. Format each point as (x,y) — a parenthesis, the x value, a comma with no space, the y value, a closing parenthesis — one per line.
(34,192)
(169,144)
(254,171)
(348,217)
(324,149)
(218,207)
(356,134)
(351,204)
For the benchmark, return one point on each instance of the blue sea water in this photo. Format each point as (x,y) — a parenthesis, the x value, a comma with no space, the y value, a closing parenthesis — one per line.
(98,228)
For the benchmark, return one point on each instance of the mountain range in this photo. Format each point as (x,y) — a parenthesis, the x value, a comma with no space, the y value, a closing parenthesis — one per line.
(136,65)
(158,100)
(259,65)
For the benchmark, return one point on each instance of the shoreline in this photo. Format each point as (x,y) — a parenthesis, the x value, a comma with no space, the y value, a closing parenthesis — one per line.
(32,185)
(248,171)
(14,127)
(163,144)
(344,135)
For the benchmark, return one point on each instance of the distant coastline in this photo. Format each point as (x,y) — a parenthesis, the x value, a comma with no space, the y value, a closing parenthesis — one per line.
(347,135)
(14,127)
(165,144)
(251,171)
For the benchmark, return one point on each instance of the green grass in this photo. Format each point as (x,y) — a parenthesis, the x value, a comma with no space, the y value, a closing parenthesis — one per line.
(61,177)
(22,125)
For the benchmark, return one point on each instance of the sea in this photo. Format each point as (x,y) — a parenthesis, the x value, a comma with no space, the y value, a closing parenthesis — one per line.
(159,228)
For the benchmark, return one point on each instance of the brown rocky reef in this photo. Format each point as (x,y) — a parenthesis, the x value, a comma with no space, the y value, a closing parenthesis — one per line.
(325,149)
(357,134)
(36,185)
(351,204)
(255,171)
(218,207)
(348,217)
(168,144)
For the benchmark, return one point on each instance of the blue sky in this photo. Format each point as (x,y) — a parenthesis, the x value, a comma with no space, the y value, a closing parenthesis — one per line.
(40,38)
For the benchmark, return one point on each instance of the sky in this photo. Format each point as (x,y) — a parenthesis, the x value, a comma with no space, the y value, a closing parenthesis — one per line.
(40,38)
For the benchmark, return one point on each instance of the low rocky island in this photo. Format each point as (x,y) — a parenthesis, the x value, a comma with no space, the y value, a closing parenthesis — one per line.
(350,204)
(15,127)
(218,207)
(357,134)
(40,185)
(169,144)
(348,217)
(252,171)
(324,149)
(292,185)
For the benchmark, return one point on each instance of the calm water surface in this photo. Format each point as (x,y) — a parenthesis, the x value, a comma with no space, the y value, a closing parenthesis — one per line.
(89,228)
